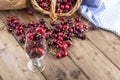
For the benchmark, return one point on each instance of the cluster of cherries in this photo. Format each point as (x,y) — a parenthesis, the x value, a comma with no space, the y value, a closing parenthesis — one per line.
(61,5)
(16,27)
(62,34)
(34,44)
(45,4)
(59,35)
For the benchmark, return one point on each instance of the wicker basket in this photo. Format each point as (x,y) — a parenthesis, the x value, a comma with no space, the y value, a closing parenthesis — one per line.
(53,15)
(13,4)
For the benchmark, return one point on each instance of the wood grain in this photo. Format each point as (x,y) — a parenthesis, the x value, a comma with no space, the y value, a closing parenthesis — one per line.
(92,61)
(96,58)
(108,43)
(63,69)
(13,60)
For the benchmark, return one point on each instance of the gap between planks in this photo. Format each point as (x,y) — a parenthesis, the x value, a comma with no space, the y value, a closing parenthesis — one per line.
(94,43)
(3,19)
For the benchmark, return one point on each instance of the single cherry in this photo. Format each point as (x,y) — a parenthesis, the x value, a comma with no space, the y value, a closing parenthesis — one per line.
(58,55)
(40,30)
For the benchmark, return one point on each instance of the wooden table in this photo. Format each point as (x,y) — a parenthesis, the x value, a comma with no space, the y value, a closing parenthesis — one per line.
(97,58)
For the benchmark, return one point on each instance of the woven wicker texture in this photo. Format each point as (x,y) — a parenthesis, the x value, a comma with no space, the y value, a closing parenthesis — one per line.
(53,15)
(13,4)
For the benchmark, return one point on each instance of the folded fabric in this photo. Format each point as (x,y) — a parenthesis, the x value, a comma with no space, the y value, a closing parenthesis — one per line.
(102,13)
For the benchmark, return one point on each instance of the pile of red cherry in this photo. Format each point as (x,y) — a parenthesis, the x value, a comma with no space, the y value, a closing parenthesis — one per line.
(34,46)
(61,5)
(59,35)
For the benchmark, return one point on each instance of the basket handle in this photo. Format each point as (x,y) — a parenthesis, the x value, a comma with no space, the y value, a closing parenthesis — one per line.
(52,13)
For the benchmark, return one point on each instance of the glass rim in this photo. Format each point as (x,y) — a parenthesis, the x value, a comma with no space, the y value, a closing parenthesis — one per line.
(36,40)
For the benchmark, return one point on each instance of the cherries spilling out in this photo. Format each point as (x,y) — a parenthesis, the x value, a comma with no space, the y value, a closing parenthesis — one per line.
(59,36)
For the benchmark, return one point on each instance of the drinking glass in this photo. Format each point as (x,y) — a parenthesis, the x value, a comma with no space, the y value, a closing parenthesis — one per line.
(36,50)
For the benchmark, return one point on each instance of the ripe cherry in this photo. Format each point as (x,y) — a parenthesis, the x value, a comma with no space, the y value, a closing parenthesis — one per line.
(70,30)
(58,55)
(9,29)
(40,30)
(69,43)
(64,53)
(30,11)
(17,32)
(64,46)
(30,36)
(41,51)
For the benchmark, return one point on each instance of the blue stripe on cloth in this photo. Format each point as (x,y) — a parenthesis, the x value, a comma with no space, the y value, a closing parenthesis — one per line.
(102,13)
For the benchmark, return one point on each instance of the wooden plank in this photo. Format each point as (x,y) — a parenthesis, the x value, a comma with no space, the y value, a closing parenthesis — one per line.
(106,76)
(92,61)
(56,69)
(13,60)
(55,66)
(2,25)
(108,43)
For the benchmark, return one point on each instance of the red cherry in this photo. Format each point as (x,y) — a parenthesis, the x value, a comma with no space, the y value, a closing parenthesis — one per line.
(59,10)
(41,51)
(35,50)
(69,43)
(60,34)
(17,32)
(17,28)
(48,34)
(54,40)
(32,23)
(15,21)
(62,6)
(14,18)
(63,18)
(85,27)
(64,27)
(64,46)
(21,27)
(40,30)
(52,23)
(67,6)
(58,55)
(59,42)
(30,11)
(30,36)
(9,29)
(8,17)
(30,30)
(80,25)
(77,19)
(64,53)
(76,24)
(70,30)
(22,39)
(43,4)
(60,38)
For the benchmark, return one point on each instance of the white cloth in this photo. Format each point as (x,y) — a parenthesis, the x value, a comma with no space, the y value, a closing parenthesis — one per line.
(102,13)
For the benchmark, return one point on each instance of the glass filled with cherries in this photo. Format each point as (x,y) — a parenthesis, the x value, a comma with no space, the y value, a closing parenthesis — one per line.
(36,49)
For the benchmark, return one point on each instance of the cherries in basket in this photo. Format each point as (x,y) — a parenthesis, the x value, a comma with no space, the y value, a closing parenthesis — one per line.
(62,6)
